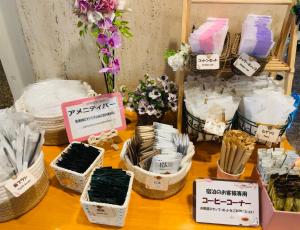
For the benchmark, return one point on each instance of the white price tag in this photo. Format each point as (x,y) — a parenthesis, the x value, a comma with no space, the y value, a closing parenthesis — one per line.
(265,133)
(246,65)
(226,202)
(208,61)
(24,181)
(214,127)
(157,183)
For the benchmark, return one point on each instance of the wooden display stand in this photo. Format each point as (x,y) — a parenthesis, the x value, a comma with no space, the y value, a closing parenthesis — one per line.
(276,64)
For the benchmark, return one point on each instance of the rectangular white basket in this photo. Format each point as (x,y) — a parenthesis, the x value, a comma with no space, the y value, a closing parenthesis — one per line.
(74,180)
(103,213)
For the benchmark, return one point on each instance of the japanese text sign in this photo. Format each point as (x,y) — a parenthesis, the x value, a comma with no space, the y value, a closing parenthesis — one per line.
(246,65)
(214,127)
(226,202)
(94,115)
(208,61)
(19,185)
(265,133)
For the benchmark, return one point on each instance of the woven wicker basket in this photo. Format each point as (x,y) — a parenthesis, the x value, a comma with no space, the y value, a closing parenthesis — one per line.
(235,54)
(225,58)
(12,207)
(251,127)
(55,132)
(167,184)
(74,180)
(103,213)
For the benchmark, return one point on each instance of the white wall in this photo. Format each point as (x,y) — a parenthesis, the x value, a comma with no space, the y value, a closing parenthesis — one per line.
(57,50)
(13,50)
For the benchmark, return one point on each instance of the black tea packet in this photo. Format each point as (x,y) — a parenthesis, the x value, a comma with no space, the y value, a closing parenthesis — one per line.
(78,157)
(109,186)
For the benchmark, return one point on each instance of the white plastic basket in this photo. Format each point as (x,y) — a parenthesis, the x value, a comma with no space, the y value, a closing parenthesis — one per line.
(12,207)
(155,185)
(74,180)
(103,213)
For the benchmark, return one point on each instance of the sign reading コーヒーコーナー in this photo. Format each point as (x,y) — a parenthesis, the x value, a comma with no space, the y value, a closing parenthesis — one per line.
(226,202)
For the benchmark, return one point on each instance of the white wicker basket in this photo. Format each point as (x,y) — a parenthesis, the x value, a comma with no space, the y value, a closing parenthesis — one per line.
(74,180)
(55,132)
(103,213)
(155,185)
(12,207)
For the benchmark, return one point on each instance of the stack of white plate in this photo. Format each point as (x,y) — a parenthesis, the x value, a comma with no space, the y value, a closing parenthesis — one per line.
(43,100)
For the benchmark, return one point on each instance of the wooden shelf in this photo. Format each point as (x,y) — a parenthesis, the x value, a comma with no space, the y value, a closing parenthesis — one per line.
(276,65)
(264,2)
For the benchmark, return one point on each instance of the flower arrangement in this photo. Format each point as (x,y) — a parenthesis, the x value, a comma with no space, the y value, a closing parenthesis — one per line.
(177,60)
(151,97)
(104,20)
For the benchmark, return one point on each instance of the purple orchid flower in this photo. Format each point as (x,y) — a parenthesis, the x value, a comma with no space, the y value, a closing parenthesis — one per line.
(82,5)
(105,24)
(113,67)
(106,52)
(106,6)
(102,39)
(115,40)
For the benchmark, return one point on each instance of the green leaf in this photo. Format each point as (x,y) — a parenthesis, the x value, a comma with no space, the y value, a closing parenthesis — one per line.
(81,33)
(95,31)
(79,24)
(169,53)
(106,59)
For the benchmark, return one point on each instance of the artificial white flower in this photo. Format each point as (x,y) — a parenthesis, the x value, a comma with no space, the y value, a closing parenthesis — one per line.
(176,61)
(123,88)
(166,88)
(151,110)
(142,110)
(185,48)
(154,94)
(173,106)
(94,16)
(158,113)
(130,99)
(163,78)
(172,97)
(130,107)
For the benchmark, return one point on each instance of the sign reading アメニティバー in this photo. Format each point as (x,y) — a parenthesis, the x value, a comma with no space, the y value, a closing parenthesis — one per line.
(94,115)
(226,202)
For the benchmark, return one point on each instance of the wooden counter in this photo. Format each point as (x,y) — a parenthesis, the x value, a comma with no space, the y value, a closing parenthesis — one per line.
(60,209)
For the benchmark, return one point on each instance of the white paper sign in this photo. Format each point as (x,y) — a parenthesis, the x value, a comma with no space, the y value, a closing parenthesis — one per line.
(24,181)
(226,202)
(208,61)
(265,133)
(214,127)
(246,65)
(94,115)
(157,183)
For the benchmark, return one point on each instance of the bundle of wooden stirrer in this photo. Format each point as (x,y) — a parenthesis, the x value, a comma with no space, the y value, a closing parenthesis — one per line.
(237,148)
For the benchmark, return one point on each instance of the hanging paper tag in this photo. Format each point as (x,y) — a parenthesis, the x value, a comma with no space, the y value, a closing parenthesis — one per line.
(265,133)
(157,183)
(24,181)
(208,61)
(246,64)
(214,127)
